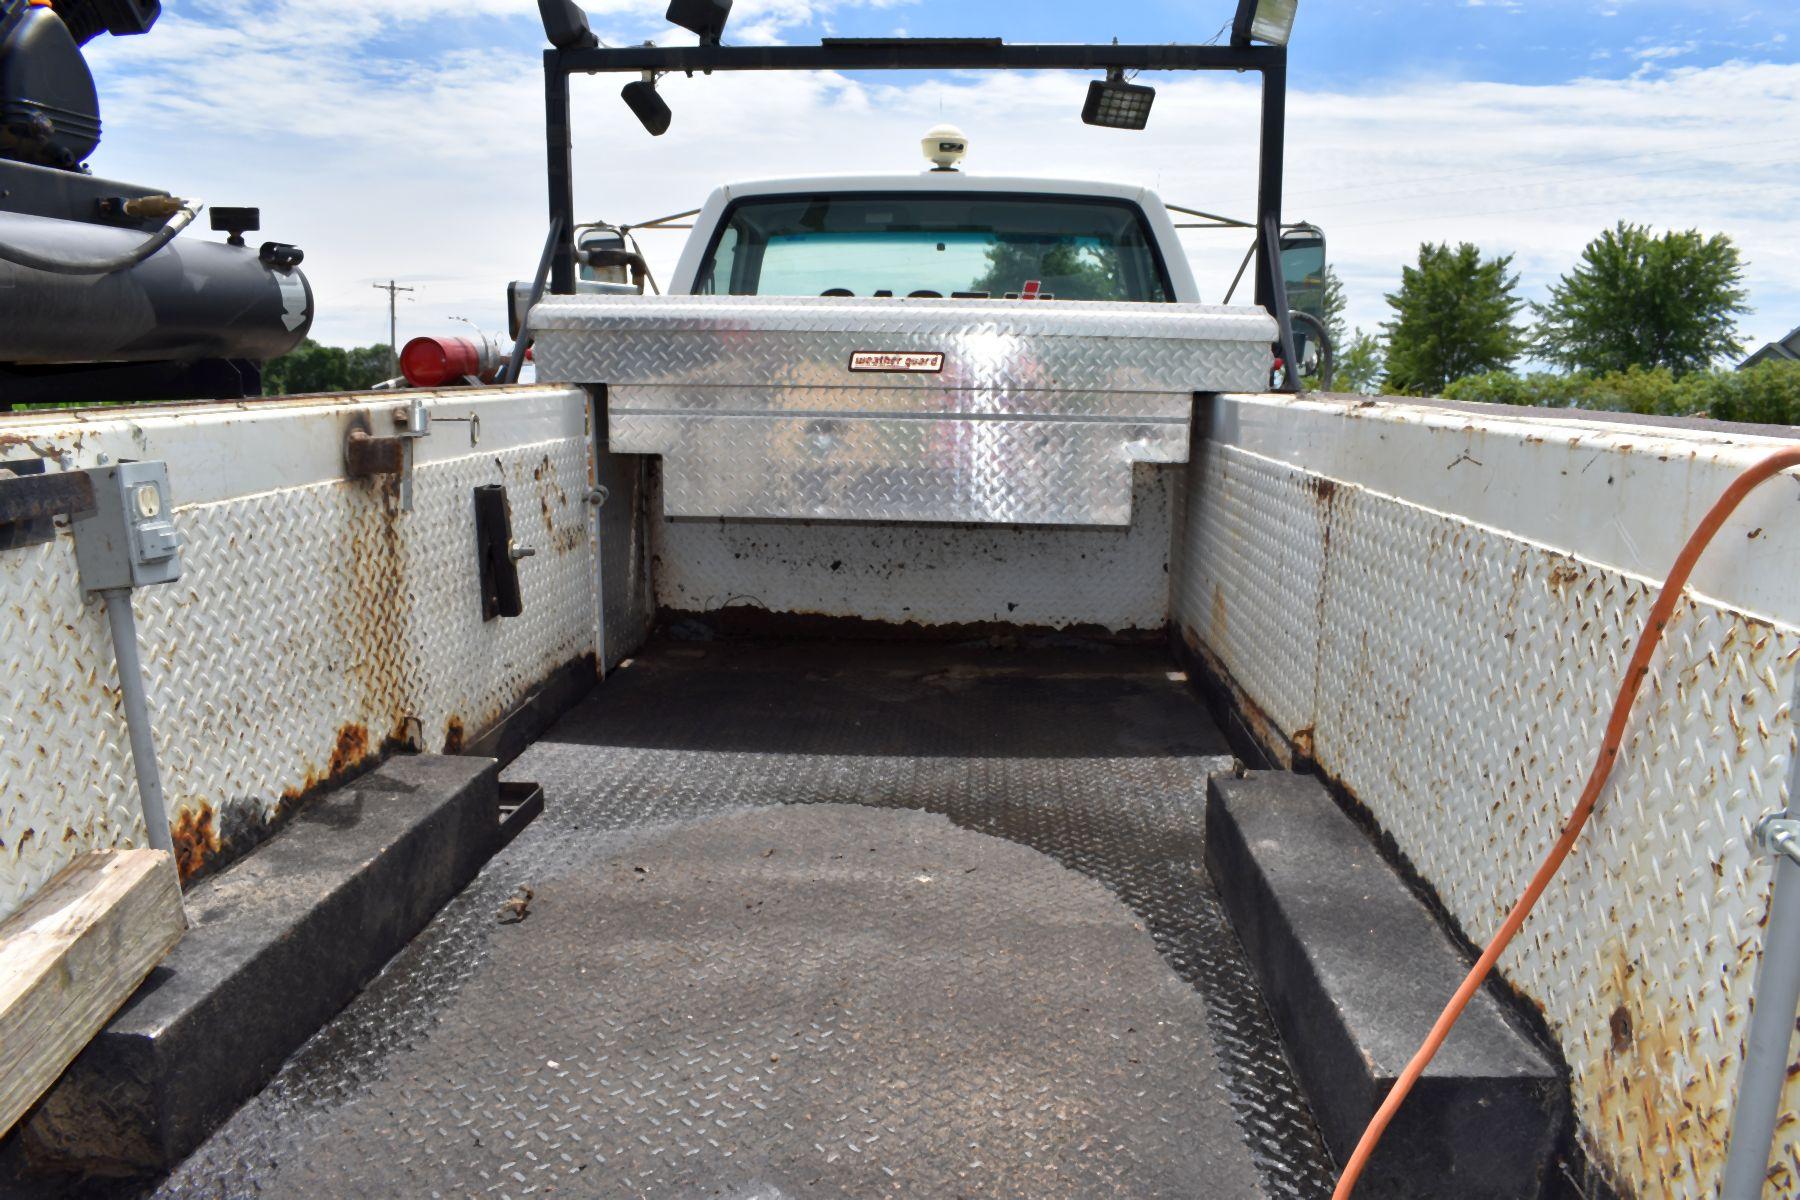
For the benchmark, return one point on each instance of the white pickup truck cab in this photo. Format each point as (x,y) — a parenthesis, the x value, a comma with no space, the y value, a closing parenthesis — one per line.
(880,348)
(937,235)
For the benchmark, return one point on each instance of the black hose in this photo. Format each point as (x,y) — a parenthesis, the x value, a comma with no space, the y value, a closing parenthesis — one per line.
(19,256)
(1327,357)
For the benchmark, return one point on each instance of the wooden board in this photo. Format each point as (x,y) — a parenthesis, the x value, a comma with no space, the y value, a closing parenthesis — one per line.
(72,956)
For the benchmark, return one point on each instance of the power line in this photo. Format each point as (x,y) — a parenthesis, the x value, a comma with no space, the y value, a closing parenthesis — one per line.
(393,290)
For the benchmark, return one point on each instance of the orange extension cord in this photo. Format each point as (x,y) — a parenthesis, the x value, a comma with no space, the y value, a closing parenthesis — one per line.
(1664,608)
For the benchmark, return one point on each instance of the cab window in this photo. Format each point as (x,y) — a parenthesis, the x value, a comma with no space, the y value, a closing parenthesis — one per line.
(970,246)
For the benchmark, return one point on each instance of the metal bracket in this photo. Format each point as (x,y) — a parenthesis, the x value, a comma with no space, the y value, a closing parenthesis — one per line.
(366,455)
(31,498)
(498,555)
(473,420)
(414,421)
(1779,834)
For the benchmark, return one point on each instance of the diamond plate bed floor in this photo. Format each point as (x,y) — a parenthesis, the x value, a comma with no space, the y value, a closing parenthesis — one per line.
(834,921)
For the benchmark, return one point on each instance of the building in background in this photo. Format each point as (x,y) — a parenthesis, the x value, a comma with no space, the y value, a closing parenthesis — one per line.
(1785,350)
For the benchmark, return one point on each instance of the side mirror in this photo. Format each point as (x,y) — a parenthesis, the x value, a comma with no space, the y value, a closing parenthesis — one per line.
(1303,265)
(1303,269)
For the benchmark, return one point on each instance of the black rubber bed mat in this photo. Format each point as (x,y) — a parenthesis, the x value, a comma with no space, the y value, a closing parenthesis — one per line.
(819,920)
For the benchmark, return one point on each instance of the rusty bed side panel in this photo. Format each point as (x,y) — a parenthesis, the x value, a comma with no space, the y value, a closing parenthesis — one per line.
(1454,679)
(315,627)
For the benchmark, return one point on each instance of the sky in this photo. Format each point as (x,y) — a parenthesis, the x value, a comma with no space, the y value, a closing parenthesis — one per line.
(404,140)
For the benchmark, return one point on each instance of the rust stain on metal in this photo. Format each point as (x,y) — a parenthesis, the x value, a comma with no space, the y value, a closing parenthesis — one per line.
(1262,729)
(1325,491)
(196,840)
(551,496)
(1563,575)
(453,736)
(43,449)
(366,455)
(373,608)
(566,541)
(351,749)
(1663,1103)
(1621,1029)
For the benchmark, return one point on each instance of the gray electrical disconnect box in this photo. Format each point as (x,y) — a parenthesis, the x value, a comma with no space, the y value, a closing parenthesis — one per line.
(128,540)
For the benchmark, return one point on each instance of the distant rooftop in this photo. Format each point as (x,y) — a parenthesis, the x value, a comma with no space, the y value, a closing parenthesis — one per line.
(1785,350)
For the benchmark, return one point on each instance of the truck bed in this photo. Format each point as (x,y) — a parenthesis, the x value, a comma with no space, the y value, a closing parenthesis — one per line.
(811,919)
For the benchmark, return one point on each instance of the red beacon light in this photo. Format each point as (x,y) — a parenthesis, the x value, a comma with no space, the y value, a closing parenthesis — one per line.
(434,362)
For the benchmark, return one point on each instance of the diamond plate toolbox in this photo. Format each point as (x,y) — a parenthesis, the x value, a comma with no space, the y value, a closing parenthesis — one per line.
(997,412)
(314,623)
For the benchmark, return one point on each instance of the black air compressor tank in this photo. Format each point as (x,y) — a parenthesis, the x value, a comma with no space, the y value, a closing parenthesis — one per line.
(191,300)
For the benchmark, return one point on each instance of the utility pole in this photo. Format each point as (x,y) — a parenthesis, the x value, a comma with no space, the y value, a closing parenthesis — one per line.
(393,290)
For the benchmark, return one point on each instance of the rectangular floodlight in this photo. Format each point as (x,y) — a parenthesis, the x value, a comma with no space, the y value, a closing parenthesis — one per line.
(704,17)
(1270,21)
(1115,104)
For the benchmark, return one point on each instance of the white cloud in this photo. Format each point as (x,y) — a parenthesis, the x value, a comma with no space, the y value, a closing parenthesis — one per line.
(1655,53)
(433,172)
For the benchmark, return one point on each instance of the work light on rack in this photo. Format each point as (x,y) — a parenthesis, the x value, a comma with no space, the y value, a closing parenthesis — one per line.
(647,104)
(1112,103)
(705,18)
(1269,21)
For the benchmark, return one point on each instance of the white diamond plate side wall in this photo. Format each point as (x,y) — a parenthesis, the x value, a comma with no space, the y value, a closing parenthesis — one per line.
(1455,678)
(66,783)
(312,623)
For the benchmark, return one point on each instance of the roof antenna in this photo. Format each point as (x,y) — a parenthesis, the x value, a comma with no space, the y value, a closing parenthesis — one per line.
(944,147)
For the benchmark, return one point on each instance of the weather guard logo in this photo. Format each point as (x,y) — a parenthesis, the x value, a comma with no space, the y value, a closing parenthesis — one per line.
(904,362)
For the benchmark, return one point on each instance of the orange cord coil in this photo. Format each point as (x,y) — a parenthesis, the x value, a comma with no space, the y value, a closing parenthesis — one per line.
(1639,667)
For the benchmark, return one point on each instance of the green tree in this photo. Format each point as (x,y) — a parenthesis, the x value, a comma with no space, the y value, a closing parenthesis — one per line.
(1066,268)
(1334,302)
(313,367)
(1767,394)
(1359,365)
(1638,300)
(1540,389)
(1453,316)
(1335,305)
(1634,391)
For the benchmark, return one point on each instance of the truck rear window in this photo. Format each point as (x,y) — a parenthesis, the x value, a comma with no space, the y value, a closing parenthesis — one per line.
(907,244)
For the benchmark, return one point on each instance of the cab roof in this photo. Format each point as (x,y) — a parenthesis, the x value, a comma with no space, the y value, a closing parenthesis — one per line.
(927,181)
